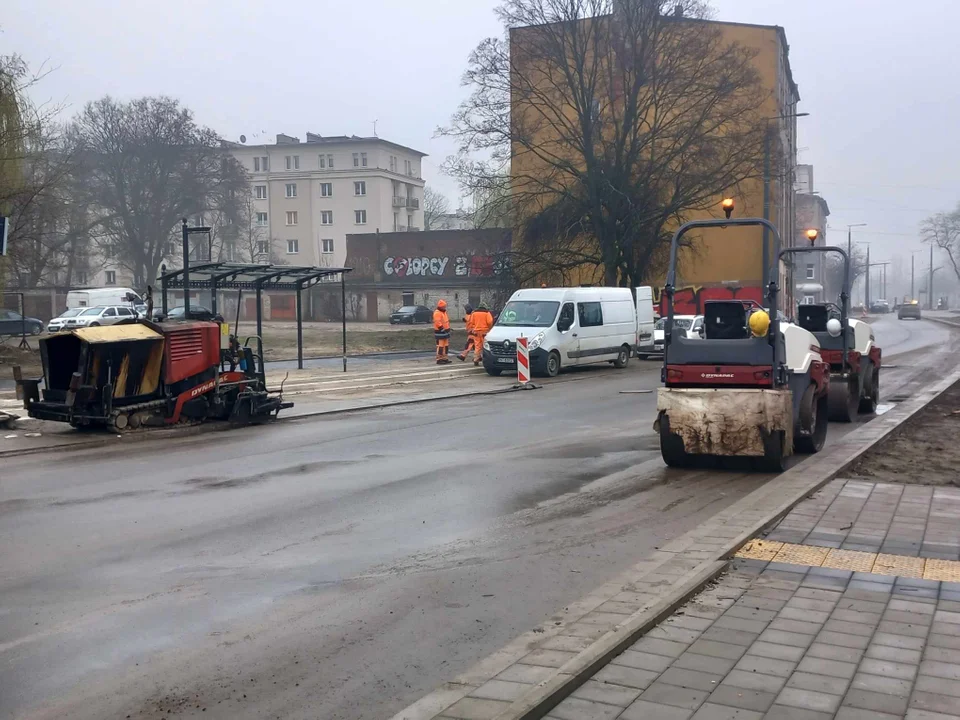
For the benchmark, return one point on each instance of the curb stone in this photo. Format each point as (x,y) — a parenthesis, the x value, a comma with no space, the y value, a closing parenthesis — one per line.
(674,573)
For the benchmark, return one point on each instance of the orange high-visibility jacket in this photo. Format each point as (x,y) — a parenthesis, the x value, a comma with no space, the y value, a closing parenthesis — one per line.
(441,325)
(482,321)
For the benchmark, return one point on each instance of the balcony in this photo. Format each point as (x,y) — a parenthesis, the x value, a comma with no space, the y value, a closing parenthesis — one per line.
(399,202)
(411,203)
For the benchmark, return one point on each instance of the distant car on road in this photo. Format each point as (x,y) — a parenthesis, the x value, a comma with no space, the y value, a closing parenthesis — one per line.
(13,323)
(410,314)
(60,322)
(880,307)
(909,310)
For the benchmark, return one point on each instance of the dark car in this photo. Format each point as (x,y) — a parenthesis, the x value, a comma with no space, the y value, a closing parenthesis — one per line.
(909,310)
(880,307)
(197,312)
(410,314)
(13,323)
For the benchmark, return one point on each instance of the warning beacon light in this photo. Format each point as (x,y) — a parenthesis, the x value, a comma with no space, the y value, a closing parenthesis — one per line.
(727,206)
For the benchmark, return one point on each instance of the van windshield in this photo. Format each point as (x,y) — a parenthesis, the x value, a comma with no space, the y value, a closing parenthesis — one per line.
(528,313)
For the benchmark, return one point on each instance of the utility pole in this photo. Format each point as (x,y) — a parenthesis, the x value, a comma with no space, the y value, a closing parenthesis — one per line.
(930,284)
(850,251)
(912,258)
(867,281)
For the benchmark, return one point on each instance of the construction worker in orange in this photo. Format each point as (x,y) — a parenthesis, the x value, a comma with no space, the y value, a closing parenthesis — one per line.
(441,331)
(468,321)
(482,320)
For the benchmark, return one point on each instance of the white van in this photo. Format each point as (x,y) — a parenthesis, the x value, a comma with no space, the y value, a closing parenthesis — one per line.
(94,297)
(564,327)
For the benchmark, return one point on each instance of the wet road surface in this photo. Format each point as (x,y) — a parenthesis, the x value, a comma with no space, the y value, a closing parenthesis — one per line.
(342,567)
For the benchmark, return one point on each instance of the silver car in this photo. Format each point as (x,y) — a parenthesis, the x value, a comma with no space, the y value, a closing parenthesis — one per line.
(102,315)
(59,323)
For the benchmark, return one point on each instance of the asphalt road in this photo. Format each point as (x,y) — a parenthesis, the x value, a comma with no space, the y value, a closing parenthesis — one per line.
(339,567)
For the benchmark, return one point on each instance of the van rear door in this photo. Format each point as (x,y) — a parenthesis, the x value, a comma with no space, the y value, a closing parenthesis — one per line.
(645,319)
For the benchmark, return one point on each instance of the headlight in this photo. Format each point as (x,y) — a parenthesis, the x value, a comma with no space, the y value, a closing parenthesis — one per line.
(486,345)
(535,343)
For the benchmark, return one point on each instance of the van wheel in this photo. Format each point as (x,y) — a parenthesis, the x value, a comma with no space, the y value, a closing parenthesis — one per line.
(623,357)
(553,364)
(94,325)
(493,372)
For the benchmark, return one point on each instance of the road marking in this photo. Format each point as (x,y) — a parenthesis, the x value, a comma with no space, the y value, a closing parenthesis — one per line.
(876,563)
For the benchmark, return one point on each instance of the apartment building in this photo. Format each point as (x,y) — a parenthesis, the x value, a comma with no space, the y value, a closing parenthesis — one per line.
(309,195)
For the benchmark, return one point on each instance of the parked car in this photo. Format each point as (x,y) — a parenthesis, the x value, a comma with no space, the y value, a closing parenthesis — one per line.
(691,325)
(100,315)
(60,322)
(410,314)
(13,323)
(909,310)
(197,312)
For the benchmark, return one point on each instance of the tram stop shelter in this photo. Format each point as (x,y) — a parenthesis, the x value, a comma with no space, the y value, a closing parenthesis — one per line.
(219,276)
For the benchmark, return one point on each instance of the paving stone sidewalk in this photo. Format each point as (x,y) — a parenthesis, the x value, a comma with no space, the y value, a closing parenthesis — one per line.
(783,641)
(790,642)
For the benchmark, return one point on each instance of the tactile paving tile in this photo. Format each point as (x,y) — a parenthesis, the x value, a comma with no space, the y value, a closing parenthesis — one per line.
(866,562)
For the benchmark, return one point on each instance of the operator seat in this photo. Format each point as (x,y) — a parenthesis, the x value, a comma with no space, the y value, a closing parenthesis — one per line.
(725,321)
(813,318)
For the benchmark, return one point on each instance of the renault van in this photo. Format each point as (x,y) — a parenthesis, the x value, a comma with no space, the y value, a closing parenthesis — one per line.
(564,327)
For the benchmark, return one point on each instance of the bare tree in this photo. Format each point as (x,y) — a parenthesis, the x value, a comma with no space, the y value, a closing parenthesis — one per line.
(943,230)
(614,120)
(435,206)
(833,271)
(147,164)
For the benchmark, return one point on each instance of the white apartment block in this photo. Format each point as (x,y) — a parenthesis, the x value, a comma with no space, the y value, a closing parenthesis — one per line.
(309,195)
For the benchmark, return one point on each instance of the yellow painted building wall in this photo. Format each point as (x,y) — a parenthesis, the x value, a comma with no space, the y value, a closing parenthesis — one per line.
(732,255)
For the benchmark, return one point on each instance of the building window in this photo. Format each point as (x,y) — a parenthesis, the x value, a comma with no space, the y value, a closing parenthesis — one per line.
(293,162)
(409,222)
(291,190)
(809,299)
(323,162)
(260,164)
(810,271)
(360,188)
(262,219)
(111,277)
(363,159)
(81,278)
(330,161)
(360,217)
(109,251)
(396,222)
(260,192)
(356,159)
(293,247)
(393,163)
(292,217)
(326,217)
(408,167)
(326,189)
(327,246)
(263,247)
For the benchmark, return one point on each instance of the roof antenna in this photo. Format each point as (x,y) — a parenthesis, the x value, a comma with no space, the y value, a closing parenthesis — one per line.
(375,127)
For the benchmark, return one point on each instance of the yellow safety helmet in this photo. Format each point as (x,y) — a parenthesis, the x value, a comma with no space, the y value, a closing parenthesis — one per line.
(759,323)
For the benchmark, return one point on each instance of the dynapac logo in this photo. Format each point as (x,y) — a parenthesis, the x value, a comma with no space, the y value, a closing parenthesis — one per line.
(201,389)
(712,376)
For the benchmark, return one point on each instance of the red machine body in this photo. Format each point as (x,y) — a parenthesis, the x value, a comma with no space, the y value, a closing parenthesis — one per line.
(190,348)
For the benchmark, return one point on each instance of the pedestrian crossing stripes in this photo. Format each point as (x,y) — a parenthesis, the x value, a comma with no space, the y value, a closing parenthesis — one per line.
(876,563)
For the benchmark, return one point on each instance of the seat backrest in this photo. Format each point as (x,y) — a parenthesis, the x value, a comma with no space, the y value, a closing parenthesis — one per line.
(813,318)
(725,321)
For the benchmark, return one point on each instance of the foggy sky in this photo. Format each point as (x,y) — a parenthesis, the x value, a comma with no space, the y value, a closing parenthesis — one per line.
(878,78)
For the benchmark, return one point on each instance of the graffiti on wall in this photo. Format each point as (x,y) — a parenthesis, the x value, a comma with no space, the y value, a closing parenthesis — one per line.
(462,266)
(689,300)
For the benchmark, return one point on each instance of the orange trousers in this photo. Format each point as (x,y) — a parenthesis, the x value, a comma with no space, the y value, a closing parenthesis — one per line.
(443,346)
(478,339)
(471,345)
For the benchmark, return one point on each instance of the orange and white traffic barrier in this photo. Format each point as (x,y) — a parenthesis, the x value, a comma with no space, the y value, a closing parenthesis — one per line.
(523,361)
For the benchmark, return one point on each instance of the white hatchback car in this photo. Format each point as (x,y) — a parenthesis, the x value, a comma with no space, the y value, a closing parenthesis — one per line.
(689,324)
(101,315)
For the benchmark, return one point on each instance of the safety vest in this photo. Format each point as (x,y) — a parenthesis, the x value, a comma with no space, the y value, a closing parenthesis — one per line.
(441,325)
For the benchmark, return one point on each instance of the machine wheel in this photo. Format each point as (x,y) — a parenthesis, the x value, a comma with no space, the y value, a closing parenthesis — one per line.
(871,393)
(553,364)
(493,372)
(774,452)
(622,358)
(844,400)
(119,421)
(814,416)
(671,447)
(135,421)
